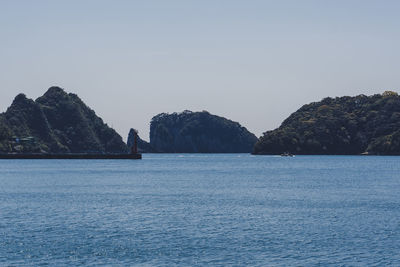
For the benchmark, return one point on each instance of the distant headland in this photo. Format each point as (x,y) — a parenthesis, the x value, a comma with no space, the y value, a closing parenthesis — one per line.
(199,132)
(60,123)
(339,126)
(56,122)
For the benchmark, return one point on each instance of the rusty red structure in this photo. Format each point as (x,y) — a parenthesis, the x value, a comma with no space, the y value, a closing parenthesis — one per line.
(134,149)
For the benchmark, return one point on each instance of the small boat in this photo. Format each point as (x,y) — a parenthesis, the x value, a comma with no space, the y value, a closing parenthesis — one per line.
(287,154)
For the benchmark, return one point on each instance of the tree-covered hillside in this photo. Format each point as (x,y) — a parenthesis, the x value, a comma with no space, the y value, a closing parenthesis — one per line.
(199,132)
(57,122)
(342,125)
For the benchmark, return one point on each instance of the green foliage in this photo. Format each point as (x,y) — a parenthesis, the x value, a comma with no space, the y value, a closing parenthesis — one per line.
(192,132)
(345,125)
(59,122)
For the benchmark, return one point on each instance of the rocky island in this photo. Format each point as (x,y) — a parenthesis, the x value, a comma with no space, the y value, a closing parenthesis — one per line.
(339,126)
(56,122)
(142,145)
(199,132)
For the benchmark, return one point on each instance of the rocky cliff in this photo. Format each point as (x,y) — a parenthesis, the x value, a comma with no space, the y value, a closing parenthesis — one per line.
(143,146)
(342,125)
(57,122)
(199,132)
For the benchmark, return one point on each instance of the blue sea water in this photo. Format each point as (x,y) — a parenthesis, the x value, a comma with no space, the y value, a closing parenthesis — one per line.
(201,210)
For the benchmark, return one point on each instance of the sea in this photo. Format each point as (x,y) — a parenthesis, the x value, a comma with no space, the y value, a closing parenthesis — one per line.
(201,210)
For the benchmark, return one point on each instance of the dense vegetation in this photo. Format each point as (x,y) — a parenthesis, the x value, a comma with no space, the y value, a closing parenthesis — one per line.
(54,123)
(342,125)
(199,132)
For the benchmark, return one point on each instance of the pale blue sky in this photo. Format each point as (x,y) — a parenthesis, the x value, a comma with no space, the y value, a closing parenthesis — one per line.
(251,61)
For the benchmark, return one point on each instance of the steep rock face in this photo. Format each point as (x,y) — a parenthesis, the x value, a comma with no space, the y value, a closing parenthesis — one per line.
(143,146)
(77,125)
(25,118)
(199,132)
(342,125)
(56,122)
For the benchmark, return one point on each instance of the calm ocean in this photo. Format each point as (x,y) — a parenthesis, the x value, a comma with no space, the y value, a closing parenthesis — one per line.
(201,210)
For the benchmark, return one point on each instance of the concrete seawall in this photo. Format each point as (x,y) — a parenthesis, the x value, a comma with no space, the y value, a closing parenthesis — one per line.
(71,156)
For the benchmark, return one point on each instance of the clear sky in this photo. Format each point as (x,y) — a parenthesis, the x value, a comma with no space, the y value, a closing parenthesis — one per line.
(251,61)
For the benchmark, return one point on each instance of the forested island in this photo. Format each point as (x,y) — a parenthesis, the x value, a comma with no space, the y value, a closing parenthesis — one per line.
(339,126)
(60,122)
(56,122)
(199,132)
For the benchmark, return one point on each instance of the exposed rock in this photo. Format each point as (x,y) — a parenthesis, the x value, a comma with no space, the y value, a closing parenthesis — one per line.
(199,132)
(56,122)
(143,146)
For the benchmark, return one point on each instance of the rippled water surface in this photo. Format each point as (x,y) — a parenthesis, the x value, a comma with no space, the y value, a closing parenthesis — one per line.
(193,210)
